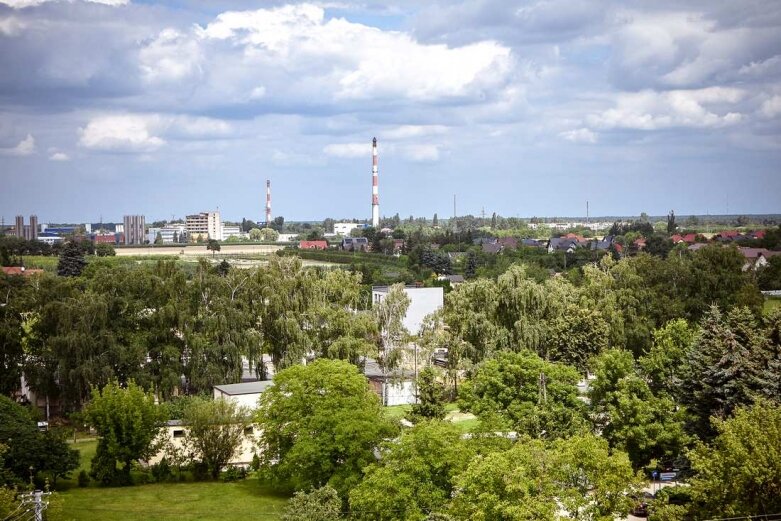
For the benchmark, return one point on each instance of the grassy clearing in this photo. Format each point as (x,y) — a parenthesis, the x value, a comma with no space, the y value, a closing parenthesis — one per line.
(213,501)
(466,422)
(771,304)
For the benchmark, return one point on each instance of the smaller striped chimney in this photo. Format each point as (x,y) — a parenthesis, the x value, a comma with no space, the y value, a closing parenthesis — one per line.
(375,187)
(268,202)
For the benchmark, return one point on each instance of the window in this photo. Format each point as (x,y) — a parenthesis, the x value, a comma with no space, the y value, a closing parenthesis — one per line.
(248,430)
(179,433)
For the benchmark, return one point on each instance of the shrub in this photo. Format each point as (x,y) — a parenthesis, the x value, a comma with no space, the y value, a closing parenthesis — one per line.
(83,479)
(234,474)
(161,472)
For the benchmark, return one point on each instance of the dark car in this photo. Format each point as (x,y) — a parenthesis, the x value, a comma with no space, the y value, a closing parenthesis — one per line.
(641,507)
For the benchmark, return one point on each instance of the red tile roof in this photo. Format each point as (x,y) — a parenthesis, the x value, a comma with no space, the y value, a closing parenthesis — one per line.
(313,245)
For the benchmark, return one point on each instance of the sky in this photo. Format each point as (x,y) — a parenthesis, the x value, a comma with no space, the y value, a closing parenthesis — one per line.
(524,108)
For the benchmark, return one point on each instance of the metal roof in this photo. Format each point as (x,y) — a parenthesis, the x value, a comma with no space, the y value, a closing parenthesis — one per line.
(245,388)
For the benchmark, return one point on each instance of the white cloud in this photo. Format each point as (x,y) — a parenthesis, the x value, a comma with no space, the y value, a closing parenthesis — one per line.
(348,150)
(342,60)
(410,131)
(11,26)
(258,93)
(147,132)
(25,147)
(650,110)
(579,135)
(170,57)
(59,156)
(122,133)
(771,107)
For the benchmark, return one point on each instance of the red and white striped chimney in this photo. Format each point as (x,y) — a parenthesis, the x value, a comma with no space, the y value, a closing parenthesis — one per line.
(375,189)
(268,202)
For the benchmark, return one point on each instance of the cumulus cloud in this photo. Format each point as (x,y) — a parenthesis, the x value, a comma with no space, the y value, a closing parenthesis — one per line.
(25,147)
(59,156)
(579,135)
(170,57)
(146,132)
(650,110)
(352,61)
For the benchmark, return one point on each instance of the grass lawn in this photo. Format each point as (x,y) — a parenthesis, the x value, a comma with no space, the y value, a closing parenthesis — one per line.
(467,423)
(772,304)
(213,501)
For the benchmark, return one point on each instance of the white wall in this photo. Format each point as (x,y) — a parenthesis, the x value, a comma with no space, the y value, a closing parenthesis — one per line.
(249,444)
(423,302)
(246,400)
(399,393)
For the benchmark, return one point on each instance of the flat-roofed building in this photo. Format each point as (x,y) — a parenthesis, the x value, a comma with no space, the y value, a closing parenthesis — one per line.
(135,229)
(204,225)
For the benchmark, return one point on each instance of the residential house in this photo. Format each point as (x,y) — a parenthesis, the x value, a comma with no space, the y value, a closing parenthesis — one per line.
(454,280)
(757,257)
(532,243)
(395,387)
(355,244)
(313,245)
(489,247)
(509,243)
(566,244)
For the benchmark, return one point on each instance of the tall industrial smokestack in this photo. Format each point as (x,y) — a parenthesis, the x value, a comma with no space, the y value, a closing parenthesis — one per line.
(375,189)
(268,202)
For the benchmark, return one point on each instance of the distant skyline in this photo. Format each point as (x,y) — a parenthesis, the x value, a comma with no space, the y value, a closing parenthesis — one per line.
(113,107)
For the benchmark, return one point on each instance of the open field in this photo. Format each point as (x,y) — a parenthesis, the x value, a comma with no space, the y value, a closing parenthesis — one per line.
(226,250)
(209,500)
(213,501)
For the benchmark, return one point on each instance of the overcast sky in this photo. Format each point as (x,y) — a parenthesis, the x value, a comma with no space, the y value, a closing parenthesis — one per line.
(519,107)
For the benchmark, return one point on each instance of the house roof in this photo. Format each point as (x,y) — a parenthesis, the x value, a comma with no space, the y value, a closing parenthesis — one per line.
(491,248)
(313,244)
(689,237)
(754,253)
(245,388)
(373,372)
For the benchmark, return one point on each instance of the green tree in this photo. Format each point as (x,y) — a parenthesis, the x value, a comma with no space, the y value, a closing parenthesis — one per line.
(269,235)
(629,416)
(213,246)
(321,504)
(159,238)
(104,250)
(435,221)
(430,404)
(666,364)
(71,262)
(26,447)
(415,475)
(389,313)
(215,429)
(255,235)
(320,424)
(671,226)
(739,473)
(127,421)
(537,397)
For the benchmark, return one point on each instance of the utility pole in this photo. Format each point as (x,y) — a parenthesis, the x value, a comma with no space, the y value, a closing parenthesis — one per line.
(455,224)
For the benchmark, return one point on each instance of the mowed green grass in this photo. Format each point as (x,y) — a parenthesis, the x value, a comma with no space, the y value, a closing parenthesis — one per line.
(202,501)
(213,501)
(771,304)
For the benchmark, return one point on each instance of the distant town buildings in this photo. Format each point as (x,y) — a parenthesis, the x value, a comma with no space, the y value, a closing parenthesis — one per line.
(204,225)
(135,229)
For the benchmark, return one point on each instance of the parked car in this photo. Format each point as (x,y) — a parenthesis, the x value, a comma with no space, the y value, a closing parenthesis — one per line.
(641,507)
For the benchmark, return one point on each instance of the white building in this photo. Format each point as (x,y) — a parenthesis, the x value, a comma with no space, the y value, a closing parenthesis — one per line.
(245,394)
(175,432)
(204,225)
(344,228)
(423,302)
(232,231)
